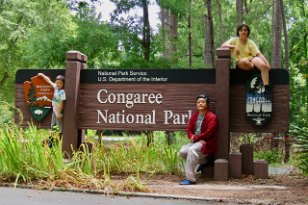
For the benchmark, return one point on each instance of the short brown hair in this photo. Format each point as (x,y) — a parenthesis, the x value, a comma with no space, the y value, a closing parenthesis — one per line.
(239,27)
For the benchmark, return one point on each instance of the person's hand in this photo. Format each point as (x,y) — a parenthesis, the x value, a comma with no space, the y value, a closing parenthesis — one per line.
(202,141)
(40,74)
(192,139)
(237,51)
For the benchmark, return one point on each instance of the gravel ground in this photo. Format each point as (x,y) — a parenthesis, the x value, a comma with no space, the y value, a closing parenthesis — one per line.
(282,189)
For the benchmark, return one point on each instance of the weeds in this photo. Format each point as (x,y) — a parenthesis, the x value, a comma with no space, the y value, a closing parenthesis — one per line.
(24,158)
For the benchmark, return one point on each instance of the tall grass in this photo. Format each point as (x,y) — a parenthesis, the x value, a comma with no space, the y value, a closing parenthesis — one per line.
(134,156)
(24,158)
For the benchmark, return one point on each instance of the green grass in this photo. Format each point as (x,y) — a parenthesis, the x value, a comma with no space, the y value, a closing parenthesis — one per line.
(24,158)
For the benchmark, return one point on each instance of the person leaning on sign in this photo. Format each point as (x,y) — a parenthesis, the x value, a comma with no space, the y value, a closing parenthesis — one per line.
(57,102)
(202,131)
(247,54)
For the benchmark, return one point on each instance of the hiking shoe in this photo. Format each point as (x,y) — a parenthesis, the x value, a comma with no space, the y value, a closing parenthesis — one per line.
(187,182)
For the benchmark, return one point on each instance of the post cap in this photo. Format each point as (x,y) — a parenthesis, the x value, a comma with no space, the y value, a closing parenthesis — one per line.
(73,55)
(223,52)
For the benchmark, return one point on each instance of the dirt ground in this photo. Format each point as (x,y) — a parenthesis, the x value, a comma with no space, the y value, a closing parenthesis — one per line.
(280,189)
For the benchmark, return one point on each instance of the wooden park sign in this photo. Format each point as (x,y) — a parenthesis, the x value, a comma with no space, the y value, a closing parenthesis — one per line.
(154,99)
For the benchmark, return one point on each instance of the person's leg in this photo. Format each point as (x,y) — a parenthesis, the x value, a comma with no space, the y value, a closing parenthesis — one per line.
(59,123)
(184,150)
(194,156)
(264,68)
(53,123)
(245,64)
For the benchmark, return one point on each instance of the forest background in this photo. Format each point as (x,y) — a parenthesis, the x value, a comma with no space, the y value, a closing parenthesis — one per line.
(38,33)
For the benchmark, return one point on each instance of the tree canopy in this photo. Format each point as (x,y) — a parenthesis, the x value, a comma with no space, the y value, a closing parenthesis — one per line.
(36,34)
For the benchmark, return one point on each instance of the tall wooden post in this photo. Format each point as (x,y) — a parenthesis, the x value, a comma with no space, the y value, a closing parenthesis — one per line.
(75,61)
(222,101)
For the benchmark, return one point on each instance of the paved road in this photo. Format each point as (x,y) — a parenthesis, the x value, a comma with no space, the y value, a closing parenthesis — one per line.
(10,196)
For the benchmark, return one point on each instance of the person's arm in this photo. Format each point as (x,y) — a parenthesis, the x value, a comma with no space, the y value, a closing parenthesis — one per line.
(190,129)
(227,45)
(46,79)
(231,45)
(210,130)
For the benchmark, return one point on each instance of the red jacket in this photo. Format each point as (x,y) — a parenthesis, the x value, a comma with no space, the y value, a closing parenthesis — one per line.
(209,131)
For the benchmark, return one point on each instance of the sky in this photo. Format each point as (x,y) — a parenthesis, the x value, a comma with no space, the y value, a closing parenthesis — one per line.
(105,7)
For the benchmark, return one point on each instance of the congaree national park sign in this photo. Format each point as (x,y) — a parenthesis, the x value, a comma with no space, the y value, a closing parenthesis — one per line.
(148,99)
(158,99)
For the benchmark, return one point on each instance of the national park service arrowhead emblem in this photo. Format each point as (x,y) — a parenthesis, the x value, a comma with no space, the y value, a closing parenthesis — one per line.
(38,96)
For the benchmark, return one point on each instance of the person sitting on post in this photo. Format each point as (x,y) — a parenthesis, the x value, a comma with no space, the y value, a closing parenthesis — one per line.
(202,131)
(247,54)
(57,103)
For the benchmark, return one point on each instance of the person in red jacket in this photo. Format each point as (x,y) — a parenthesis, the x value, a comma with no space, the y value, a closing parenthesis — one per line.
(202,131)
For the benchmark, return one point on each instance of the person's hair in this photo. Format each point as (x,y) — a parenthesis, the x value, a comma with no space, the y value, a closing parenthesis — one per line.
(207,99)
(60,77)
(239,27)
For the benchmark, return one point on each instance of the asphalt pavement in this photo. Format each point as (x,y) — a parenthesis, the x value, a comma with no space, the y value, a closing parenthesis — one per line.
(18,196)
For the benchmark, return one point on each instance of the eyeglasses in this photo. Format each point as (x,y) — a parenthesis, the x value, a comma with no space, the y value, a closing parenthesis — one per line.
(201,101)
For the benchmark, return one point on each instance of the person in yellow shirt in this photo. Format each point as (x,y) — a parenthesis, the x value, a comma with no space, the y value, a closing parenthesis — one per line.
(247,54)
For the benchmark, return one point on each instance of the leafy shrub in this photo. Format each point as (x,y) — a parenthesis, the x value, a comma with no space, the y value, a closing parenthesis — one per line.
(301,146)
(271,156)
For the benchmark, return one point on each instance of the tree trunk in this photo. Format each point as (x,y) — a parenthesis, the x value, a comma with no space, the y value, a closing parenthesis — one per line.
(189,35)
(173,32)
(239,11)
(163,14)
(276,34)
(286,38)
(146,31)
(245,7)
(169,32)
(209,38)
(220,22)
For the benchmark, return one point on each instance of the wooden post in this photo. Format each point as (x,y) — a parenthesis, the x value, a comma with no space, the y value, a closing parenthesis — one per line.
(222,101)
(221,170)
(247,158)
(75,61)
(261,169)
(235,165)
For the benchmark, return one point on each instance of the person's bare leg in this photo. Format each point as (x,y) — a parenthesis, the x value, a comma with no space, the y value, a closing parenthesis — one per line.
(264,68)
(245,64)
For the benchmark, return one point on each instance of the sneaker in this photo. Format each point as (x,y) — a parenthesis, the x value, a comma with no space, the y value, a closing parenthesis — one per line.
(267,92)
(187,182)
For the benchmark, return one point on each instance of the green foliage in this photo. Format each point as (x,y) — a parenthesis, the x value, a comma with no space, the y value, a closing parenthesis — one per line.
(271,156)
(24,156)
(37,33)
(134,157)
(96,39)
(301,146)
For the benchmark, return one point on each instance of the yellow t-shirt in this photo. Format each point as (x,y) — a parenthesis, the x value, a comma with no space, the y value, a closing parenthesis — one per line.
(247,50)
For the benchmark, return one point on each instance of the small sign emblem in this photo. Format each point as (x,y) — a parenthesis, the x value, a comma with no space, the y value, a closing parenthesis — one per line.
(38,96)
(258,102)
